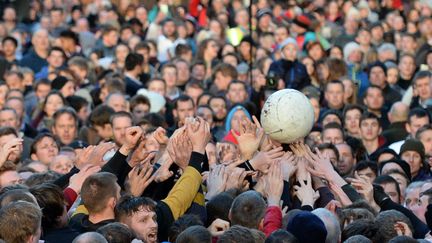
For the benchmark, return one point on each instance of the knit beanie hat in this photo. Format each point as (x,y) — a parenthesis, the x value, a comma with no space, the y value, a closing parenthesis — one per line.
(402,163)
(413,145)
(307,228)
(59,82)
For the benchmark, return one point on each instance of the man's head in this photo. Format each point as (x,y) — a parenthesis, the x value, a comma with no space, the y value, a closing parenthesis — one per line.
(110,36)
(9,175)
(398,112)
(117,101)
(333,133)
(422,85)
(133,63)
(139,214)
(347,160)
(90,237)
(194,89)
(334,94)
(377,74)
(219,106)
(6,135)
(9,118)
(119,122)
(56,57)
(44,148)
(391,187)
(116,232)
(331,223)
(223,75)
(248,210)
(20,222)
(367,168)
(424,134)
(40,40)
(100,193)
(407,66)
(413,152)
(100,121)
(139,106)
(15,80)
(374,98)
(183,107)
(417,118)
(386,221)
(65,125)
(169,74)
(370,127)
(157,85)
(237,92)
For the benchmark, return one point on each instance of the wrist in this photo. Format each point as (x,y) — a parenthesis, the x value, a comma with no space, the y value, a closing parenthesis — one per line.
(199,149)
(125,150)
(273,201)
(75,188)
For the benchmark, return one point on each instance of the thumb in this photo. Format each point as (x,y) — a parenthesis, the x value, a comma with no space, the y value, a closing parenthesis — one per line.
(234,134)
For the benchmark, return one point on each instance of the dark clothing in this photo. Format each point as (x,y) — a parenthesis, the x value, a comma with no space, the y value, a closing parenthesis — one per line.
(82,224)
(33,61)
(404,83)
(423,175)
(391,96)
(132,87)
(294,74)
(64,235)
(395,132)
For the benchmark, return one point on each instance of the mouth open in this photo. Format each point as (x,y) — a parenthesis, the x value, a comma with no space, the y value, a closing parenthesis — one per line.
(152,237)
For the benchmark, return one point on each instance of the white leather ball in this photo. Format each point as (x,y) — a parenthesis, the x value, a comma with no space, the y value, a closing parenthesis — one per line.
(287,115)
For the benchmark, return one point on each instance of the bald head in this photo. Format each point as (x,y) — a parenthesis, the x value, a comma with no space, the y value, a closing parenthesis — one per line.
(90,237)
(398,112)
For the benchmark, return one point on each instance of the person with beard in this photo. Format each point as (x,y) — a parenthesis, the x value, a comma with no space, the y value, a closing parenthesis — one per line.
(291,73)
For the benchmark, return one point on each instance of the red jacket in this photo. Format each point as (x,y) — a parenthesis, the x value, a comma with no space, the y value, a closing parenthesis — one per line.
(272,220)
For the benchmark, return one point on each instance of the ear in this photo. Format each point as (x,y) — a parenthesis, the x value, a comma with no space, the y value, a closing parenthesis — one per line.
(364,101)
(34,157)
(229,215)
(389,117)
(261,224)
(380,131)
(407,127)
(112,202)
(175,114)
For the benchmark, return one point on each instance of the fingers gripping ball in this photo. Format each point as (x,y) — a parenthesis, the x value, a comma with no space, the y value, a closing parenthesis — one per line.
(287,115)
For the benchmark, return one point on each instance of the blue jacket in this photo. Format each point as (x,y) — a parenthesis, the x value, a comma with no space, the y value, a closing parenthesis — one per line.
(293,73)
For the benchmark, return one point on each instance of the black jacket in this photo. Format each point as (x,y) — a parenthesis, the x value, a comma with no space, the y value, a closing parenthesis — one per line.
(293,73)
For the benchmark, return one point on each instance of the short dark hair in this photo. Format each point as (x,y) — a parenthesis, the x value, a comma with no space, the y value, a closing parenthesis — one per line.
(65,110)
(226,70)
(120,114)
(421,75)
(369,115)
(237,82)
(423,129)
(194,234)
(359,227)
(101,115)
(69,34)
(330,146)
(116,233)
(16,195)
(334,82)
(385,222)
(39,138)
(237,233)
(11,39)
(181,225)
(97,189)
(248,209)
(44,177)
(77,102)
(418,112)
(352,107)
(58,49)
(281,236)
(386,179)
(18,221)
(51,200)
(139,99)
(364,164)
(133,60)
(183,98)
(129,205)
(4,131)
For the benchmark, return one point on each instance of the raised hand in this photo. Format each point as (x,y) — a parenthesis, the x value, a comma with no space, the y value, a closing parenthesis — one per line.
(216,181)
(96,156)
(163,173)
(180,149)
(218,227)
(288,165)
(305,193)
(199,134)
(226,152)
(364,187)
(14,145)
(82,158)
(132,137)
(139,153)
(402,228)
(160,136)
(249,138)
(262,160)
(274,184)
(140,178)
(76,181)
(236,178)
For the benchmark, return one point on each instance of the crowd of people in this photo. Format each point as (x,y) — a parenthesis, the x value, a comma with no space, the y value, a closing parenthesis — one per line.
(138,121)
